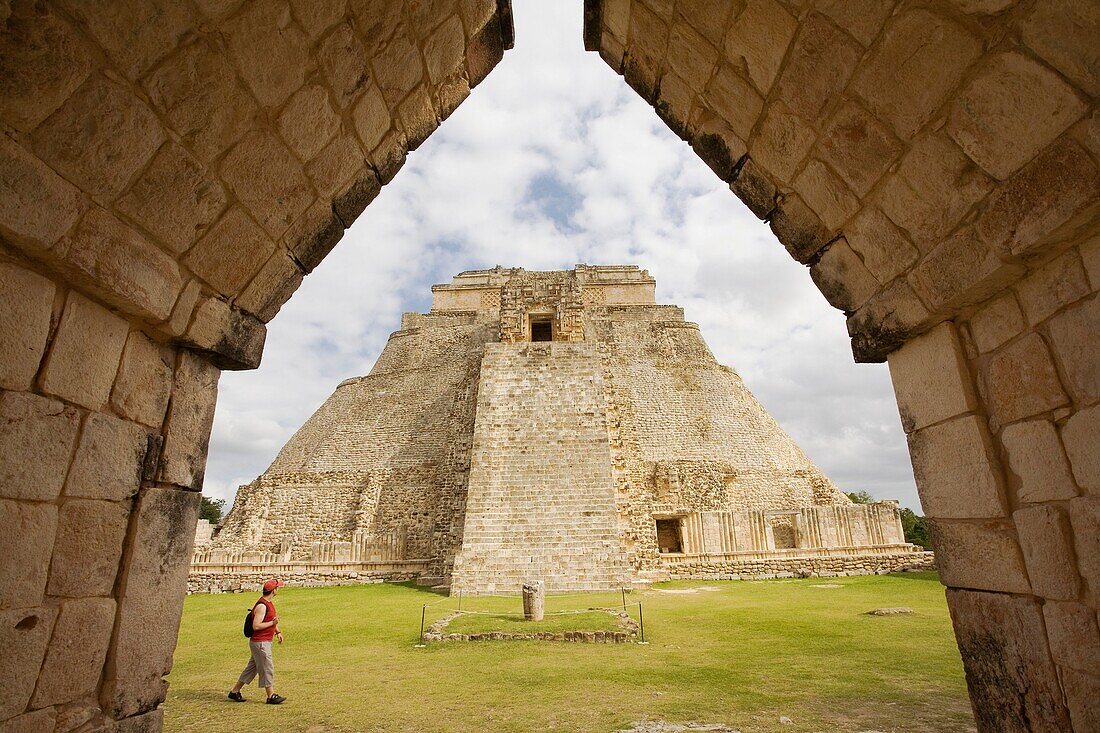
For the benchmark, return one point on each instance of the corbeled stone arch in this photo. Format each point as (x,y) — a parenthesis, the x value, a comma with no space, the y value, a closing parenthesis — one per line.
(935,164)
(169,172)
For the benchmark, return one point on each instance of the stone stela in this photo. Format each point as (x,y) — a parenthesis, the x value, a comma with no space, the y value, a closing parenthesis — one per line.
(561,426)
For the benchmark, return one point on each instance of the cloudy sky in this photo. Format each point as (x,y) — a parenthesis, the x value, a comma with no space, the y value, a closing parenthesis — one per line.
(551,162)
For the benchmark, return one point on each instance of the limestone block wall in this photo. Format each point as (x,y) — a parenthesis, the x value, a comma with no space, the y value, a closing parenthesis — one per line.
(936,166)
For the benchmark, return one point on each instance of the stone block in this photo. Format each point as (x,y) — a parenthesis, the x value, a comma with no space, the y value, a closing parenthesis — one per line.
(858,147)
(1047,541)
(709,17)
(920,59)
(1055,284)
(998,322)
(135,33)
(1064,33)
(444,50)
(99,138)
(150,722)
(931,379)
(798,228)
(782,142)
(452,93)
(184,307)
(675,104)
(38,206)
(389,156)
(74,659)
(144,381)
(1074,638)
(36,441)
(734,100)
(317,231)
(754,189)
(758,38)
(956,470)
(885,322)
(24,635)
(88,547)
(190,416)
(308,121)
(1036,457)
(27,532)
(690,56)
(227,336)
(344,63)
(817,68)
(109,459)
(615,15)
(1021,381)
(35,722)
(418,118)
(1083,699)
(398,69)
(826,194)
(268,180)
(842,278)
(1012,681)
(231,252)
(862,18)
(150,601)
(272,286)
(1081,435)
(884,248)
(119,265)
(1073,339)
(715,143)
(1023,215)
(1090,256)
(372,118)
(201,97)
(979,555)
(85,353)
(26,307)
(961,271)
(1084,516)
(317,16)
(269,49)
(44,60)
(175,200)
(1013,108)
(484,50)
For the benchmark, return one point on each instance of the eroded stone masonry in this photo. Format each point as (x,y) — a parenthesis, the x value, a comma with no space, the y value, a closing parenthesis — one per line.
(552,425)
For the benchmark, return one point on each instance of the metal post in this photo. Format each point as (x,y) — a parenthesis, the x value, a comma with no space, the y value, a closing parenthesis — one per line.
(623,589)
(641,623)
(423,611)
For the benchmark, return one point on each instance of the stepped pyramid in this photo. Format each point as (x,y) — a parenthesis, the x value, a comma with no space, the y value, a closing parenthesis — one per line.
(551,425)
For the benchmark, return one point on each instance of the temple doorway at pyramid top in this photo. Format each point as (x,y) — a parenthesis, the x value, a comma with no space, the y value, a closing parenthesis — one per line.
(172,171)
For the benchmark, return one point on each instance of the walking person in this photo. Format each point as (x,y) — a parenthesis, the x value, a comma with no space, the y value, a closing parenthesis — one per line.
(264,628)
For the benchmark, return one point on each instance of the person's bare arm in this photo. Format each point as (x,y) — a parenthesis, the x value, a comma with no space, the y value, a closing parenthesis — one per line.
(259,613)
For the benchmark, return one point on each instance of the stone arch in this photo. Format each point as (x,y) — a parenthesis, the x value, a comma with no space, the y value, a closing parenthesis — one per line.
(165,187)
(935,165)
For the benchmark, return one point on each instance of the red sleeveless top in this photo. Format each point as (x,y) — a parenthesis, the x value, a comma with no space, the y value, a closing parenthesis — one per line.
(269,633)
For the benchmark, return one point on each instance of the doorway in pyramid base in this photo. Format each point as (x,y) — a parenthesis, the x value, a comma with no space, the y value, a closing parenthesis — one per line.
(558,426)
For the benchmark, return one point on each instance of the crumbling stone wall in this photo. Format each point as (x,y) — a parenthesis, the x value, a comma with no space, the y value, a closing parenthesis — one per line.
(936,166)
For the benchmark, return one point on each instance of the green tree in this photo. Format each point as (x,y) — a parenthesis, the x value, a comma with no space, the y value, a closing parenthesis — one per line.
(861,497)
(916,528)
(211,509)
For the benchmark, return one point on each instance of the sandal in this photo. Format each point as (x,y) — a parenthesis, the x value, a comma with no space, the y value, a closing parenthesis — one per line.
(276,699)
(236,697)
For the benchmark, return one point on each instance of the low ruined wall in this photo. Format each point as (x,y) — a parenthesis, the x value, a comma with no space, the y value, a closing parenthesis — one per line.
(222,578)
(732,567)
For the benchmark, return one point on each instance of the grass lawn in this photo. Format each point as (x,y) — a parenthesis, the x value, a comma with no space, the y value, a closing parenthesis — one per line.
(740,653)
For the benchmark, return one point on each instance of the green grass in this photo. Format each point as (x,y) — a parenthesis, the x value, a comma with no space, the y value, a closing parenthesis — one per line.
(743,654)
(573,621)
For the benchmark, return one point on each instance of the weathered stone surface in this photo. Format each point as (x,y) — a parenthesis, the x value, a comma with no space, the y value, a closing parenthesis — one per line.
(826,194)
(24,635)
(144,381)
(1048,193)
(1083,699)
(316,16)
(268,180)
(1010,111)
(858,147)
(1036,457)
(956,470)
(87,548)
(484,51)
(200,95)
(1047,542)
(1021,381)
(1081,435)
(961,271)
(390,155)
(444,50)
(1012,681)
(885,322)
(979,555)
(1084,516)
(150,722)
(183,309)
(314,234)
(884,248)
(35,722)
(75,656)
(759,37)
(135,33)
(175,200)
(36,440)
(998,322)
(347,207)
(397,70)
(308,121)
(344,62)
(862,18)
(782,142)
(1057,283)
(817,68)
(26,306)
(100,137)
(921,58)
(121,266)
(754,189)
(931,380)
(1073,339)
(798,228)
(272,286)
(452,93)
(85,353)
(1074,639)
(150,600)
(38,206)
(231,253)
(372,118)
(842,278)
(269,49)
(108,460)
(1064,33)
(734,100)
(418,118)
(26,532)
(42,61)
(690,57)
(227,336)
(190,415)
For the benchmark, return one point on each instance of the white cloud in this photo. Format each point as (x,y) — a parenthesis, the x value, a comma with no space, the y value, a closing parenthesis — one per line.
(617,187)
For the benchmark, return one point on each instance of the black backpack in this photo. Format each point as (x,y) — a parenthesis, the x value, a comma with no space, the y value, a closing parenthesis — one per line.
(248,631)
